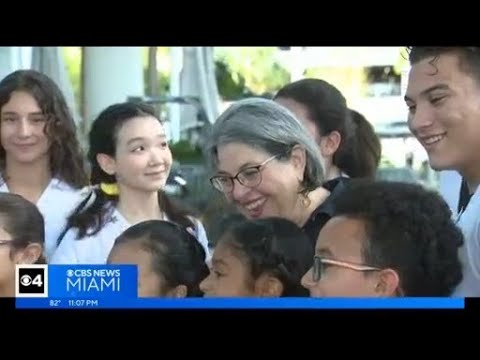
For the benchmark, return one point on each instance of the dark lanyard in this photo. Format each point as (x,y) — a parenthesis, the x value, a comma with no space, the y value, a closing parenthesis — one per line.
(465,197)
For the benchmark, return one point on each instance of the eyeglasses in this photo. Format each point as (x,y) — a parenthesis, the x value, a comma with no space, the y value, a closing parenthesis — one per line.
(249,177)
(6,242)
(320,262)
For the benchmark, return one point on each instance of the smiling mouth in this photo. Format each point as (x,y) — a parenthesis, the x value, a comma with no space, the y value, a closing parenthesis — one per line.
(430,140)
(254,204)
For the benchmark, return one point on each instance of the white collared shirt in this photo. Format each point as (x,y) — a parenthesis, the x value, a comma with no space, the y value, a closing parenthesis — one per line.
(450,183)
(95,249)
(469,222)
(56,203)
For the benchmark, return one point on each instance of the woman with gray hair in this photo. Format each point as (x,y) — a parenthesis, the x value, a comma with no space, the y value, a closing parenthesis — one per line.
(265,162)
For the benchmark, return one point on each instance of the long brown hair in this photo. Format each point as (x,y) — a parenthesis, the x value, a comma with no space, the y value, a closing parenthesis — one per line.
(66,158)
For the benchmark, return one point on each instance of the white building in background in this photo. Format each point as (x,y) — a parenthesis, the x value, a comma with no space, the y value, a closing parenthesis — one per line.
(339,56)
(379,106)
(112,74)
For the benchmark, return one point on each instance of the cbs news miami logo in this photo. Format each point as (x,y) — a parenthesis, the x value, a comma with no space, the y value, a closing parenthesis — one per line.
(31,281)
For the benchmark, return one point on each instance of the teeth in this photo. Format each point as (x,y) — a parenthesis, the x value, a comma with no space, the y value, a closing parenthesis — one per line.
(433,139)
(254,204)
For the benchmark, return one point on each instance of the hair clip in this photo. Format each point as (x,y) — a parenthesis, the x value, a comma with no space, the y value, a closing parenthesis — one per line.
(109,189)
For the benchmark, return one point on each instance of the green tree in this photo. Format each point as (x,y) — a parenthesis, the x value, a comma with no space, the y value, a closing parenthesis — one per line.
(253,68)
(402,61)
(163,67)
(73,63)
(231,86)
(351,81)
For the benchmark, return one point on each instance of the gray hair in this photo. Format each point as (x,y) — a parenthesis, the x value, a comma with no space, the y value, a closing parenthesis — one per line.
(266,125)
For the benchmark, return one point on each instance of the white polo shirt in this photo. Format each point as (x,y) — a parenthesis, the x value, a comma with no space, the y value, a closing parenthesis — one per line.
(56,203)
(450,183)
(95,249)
(469,223)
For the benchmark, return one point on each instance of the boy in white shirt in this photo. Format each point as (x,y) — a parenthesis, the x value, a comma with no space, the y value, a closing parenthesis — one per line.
(443,97)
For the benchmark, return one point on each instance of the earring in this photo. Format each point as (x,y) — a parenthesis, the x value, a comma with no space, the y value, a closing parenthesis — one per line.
(306,201)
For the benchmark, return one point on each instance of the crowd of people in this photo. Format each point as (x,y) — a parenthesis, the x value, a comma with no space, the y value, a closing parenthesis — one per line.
(307,216)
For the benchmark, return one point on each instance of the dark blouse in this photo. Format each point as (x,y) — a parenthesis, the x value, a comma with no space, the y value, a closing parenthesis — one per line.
(325,210)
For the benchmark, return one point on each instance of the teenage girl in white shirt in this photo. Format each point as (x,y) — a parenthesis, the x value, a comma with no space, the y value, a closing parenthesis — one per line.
(40,156)
(130,162)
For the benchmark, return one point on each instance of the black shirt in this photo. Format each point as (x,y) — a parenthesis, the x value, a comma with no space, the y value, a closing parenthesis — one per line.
(325,210)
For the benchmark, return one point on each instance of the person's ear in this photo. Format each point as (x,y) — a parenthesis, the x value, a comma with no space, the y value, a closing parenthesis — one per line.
(330,143)
(388,283)
(28,255)
(107,163)
(179,291)
(298,158)
(268,286)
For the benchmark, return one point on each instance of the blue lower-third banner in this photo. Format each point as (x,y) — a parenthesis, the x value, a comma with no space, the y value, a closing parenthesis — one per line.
(76,281)
(115,287)
(242,303)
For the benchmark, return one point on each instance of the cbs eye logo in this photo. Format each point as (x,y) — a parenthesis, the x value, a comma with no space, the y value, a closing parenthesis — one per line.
(31,281)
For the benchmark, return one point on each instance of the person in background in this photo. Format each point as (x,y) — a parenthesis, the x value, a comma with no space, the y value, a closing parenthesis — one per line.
(349,147)
(348,143)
